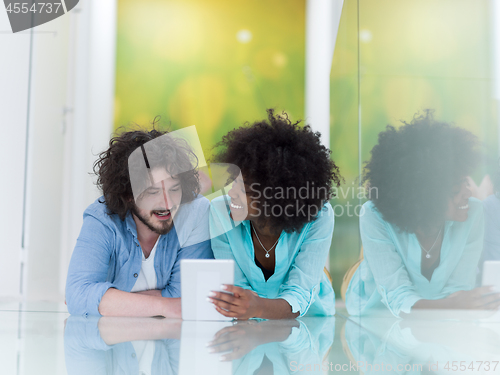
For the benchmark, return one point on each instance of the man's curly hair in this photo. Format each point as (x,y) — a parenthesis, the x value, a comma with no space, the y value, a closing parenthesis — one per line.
(112,168)
(279,154)
(415,169)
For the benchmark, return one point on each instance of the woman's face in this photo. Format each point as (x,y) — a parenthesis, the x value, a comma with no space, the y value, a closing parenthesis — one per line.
(458,205)
(242,206)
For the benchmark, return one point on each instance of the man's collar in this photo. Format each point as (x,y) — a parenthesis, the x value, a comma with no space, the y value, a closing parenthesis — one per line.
(130,222)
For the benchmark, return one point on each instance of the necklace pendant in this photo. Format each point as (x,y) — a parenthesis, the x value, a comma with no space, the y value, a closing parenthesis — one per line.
(267,255)
(428,256)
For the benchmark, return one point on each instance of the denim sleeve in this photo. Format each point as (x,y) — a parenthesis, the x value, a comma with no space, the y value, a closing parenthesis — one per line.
(86,282)
(307,269)
(84,350)
(201,250)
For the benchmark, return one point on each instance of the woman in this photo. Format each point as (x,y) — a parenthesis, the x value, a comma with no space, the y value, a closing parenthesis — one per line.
(422,232)
(281,219)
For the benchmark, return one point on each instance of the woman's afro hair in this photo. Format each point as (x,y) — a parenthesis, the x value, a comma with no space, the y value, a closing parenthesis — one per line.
(414,170)
(286,158)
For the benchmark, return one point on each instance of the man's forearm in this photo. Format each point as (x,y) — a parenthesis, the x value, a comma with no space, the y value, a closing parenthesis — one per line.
(152,292)
(115,330)
(119,303)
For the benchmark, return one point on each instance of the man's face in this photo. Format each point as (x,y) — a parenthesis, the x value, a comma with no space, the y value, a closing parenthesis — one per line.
(158,204)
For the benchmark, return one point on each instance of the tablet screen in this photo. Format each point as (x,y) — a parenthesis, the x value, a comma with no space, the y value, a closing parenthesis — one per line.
(198,278)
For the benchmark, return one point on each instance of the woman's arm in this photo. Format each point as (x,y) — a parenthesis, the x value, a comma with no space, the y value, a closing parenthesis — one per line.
(389,271)
(245,304)
(483,298)
(304,276)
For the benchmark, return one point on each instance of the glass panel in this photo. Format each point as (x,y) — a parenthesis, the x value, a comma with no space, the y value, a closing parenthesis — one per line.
(427,69)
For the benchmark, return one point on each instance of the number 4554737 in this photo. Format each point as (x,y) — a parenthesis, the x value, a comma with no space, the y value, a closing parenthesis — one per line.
(35,8)
(471,366)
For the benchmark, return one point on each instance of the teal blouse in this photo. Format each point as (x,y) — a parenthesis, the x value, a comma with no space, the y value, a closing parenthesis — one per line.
(300,258)
(390,274)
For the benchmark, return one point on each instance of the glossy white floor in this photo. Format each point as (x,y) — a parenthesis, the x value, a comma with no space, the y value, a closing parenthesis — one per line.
(41,338)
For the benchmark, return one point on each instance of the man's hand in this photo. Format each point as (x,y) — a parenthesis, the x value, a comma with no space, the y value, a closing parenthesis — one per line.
(242,304)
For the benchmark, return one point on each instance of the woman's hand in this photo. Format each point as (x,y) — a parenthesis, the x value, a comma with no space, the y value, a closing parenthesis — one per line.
(244,336)
(241,304)
(238,340)
(483,298)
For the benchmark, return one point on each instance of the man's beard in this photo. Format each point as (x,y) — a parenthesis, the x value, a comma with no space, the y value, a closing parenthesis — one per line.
(165,227)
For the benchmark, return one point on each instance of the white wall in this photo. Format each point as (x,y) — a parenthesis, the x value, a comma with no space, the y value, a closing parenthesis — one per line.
(45,175)
(14,89)
(322,25)
(90,120)
(59,113)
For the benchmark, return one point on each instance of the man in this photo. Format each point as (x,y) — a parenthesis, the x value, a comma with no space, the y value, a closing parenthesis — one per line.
(126,261)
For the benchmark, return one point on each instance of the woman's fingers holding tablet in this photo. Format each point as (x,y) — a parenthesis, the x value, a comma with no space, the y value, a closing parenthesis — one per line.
(229,314)
(227,299)
(241,304)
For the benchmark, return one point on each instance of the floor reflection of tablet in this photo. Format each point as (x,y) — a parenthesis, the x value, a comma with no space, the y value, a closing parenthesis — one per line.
(195,356)
(491,274)
(491,277)
(198,278)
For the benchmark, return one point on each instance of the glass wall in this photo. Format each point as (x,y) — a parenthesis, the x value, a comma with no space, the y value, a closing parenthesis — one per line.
(428,63)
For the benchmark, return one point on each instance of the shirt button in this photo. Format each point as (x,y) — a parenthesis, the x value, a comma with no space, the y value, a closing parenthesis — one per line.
(133,355)
(137,244)
(135,275)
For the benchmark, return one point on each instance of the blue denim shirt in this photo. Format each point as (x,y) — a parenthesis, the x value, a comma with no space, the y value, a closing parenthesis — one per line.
(108,254)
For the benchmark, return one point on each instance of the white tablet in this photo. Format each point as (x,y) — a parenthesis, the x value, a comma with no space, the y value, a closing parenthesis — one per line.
(198,278)
(491,274)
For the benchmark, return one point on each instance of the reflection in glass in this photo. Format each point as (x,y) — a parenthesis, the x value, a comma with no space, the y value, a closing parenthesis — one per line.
(428,344)
(422,231)
(117,345)
(275,347)
(492,225)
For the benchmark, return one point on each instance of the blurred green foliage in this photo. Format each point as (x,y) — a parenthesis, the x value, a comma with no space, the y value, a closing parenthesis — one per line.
(215,64)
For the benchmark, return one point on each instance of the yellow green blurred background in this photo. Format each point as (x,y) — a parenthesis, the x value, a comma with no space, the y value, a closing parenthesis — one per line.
(214,64)
(218,63)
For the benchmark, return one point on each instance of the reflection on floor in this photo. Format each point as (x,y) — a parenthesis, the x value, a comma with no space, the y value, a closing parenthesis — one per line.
(43,339)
